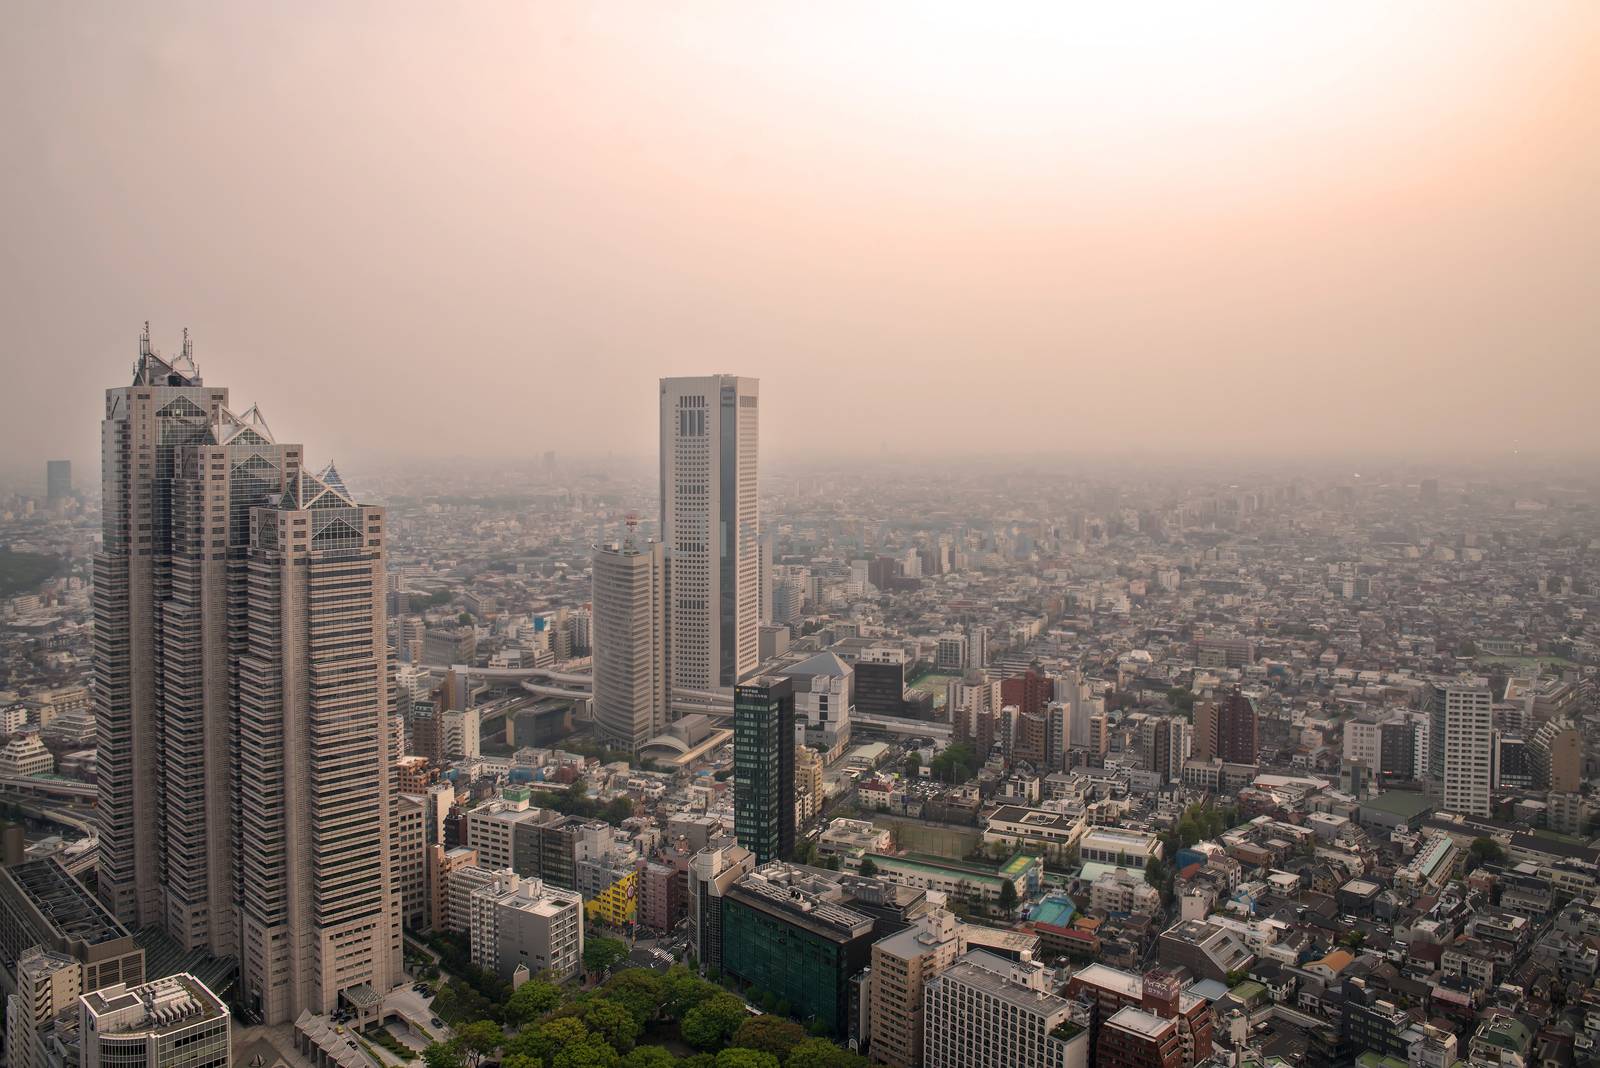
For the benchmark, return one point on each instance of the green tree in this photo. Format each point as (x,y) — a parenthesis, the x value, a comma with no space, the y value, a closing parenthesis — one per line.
(710,1024)
(913,766)
(616,810)
(541,1043)
(603,954)
(746,1058)
(1158,875)
(611,1021)
(648,1057)
(682,990)
(530,1001)
(956,763)
(1008,896)
(1486,851)
(592,1052)
(869,867)
(478,1039)
(771,1033)
(443,1055)
(639,990)
(1189,831)
(820,1053)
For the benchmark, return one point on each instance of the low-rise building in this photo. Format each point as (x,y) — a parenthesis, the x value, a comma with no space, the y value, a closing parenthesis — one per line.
(1208,950)
(1121,890)
(25,755)
(977,885)
(1042,832)
(1119,846)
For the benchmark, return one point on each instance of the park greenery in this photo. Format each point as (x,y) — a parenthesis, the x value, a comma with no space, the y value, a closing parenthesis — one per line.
(22,572)
(636,1018)
(1199,822)
(955,764)
(575,801)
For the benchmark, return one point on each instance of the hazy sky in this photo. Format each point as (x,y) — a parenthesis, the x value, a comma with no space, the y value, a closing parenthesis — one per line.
(487,229)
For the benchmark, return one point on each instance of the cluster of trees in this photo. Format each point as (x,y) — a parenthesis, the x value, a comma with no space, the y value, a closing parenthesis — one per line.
(575,801)
(1202,821)
(604,753)
(955,764)
(806,853)
(1484,851)
(606,1028)
(22,572)
(473,994)
(600,955)
(1198,823)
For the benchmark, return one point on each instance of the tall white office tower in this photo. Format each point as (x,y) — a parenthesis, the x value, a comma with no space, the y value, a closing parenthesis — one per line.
(1462,750)
(242,696)
(630,633)
(710,529)
(765,548)
(978,645)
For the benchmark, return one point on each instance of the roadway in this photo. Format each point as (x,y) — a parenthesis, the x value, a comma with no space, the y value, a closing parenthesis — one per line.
(574,686)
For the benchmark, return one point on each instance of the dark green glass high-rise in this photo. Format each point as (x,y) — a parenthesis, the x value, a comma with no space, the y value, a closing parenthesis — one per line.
(763,767)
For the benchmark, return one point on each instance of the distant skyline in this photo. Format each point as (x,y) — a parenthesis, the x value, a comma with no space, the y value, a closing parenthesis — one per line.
(1242,229)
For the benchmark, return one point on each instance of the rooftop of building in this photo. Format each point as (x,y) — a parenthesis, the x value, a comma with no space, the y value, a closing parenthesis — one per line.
(1055,909)
(154,1007)
(65,902)
(968,869)
(1108,978)
(823,663)
(1033,817)
(38,963)
(801,907)
(1406,804)
(1146,1024)
(1120,836)
(1002,979)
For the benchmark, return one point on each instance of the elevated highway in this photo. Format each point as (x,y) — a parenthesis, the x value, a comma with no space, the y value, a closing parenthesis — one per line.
(572,685)
(900,726)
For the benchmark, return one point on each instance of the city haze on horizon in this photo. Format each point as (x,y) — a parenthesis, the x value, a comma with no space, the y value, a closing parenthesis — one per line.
(1153,232)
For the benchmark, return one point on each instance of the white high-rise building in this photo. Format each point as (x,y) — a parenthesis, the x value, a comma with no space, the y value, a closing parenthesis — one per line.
(242,693)
(978,646)
(1361,744)
(766,547)
(1462,748)
(711,529)
(630,635)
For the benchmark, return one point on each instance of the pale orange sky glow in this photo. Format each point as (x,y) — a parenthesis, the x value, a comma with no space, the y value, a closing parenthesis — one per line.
(486,229)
